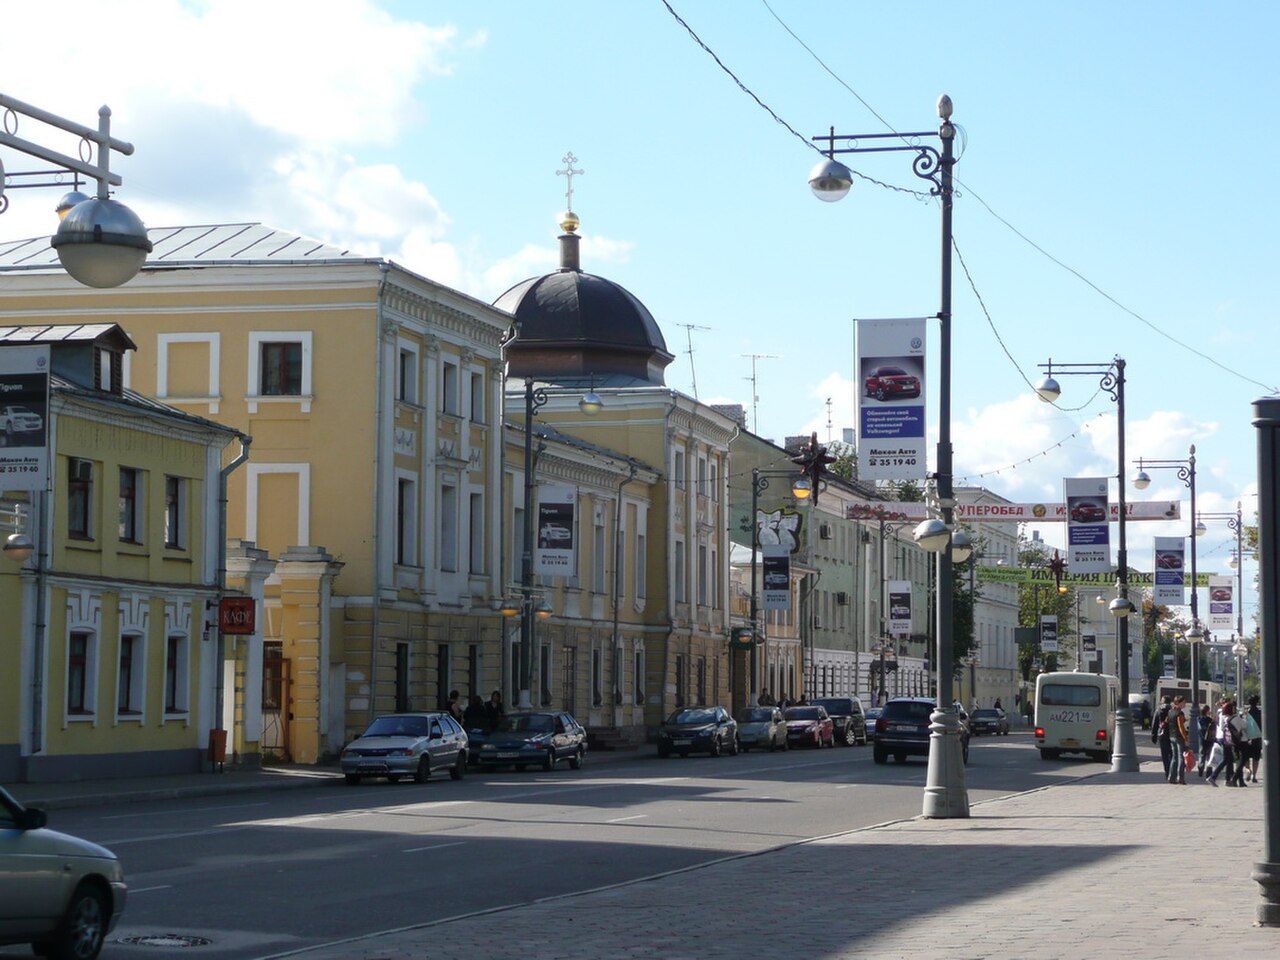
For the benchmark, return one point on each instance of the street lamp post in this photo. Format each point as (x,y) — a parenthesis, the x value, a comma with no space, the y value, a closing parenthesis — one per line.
(886,528)
(1235,522)
(1187,474)
(945,794)
(1124,756)
(800,489)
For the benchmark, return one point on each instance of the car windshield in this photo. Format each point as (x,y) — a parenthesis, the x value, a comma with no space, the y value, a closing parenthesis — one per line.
(528,723)
(758,715)
(399,727)
(836,706)
(692,716)
(891,372)
(907,710)
(802,713)
(989,714)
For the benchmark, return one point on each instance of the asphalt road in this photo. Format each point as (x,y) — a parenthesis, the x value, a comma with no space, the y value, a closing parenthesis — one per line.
(266,873)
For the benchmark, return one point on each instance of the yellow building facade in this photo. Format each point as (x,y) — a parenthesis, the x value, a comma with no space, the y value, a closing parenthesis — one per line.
(104,612)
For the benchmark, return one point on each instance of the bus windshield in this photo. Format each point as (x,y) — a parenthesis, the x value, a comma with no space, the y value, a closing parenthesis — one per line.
(1070,695)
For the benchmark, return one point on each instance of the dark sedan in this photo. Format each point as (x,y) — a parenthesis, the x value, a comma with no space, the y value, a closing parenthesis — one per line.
(847,717)
(522,739)
(902,730)
(698,730)
(991,720)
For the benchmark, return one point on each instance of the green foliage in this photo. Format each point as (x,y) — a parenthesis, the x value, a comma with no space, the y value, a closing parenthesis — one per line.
(845,464)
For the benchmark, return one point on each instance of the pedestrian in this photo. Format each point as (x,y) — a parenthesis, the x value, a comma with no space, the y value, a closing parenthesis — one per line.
(766,698)
(1224,739)
(1240,727)
(1178,738)
(494,710)
(475,717)
(1160,732)
(1204,737)
(1253,735)
(997,704)
(453,707)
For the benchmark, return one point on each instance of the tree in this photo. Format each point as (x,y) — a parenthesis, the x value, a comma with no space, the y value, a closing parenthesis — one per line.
(845,465)
(1042,597)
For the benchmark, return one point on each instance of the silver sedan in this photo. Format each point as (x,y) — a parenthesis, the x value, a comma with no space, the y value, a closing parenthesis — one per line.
(762,727)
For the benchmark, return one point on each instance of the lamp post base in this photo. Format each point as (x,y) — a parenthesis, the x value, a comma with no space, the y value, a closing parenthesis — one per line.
(1124,756)
(944,790)
(1268,877)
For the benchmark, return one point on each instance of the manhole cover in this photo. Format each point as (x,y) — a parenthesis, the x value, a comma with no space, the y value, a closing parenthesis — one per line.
(166,940)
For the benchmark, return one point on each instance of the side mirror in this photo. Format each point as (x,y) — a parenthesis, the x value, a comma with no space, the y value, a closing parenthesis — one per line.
(31,818)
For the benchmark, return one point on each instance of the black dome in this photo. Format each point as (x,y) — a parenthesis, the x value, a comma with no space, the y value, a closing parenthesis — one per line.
(575,324)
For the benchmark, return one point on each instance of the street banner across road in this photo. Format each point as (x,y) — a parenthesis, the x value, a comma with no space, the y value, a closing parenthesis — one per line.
(891,411)
(1009,512)
(1137,578)
(1221,603)
(1088,528)
(1169,581)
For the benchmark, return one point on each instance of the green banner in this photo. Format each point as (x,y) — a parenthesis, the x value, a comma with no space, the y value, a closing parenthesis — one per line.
(1137,578)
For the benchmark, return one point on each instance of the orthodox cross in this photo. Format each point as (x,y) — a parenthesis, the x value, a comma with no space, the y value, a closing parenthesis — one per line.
(569,173)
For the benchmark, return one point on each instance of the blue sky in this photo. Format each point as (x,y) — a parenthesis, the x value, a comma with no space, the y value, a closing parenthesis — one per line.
(1129,141)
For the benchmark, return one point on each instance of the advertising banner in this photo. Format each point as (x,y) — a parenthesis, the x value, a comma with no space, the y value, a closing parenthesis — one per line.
(24,417)
(776,570)
(891,411)
(554,532)
(1169,578)
(1010,512)
(1048,633)
(1221,603)
(899,614)
(1089,642)
(1088,526)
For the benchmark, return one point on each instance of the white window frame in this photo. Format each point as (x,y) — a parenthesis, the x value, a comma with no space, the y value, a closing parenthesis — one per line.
(137,679)
(407,522)
(163,342)
(407,388)
(254,383)
(182,704)
(303,473)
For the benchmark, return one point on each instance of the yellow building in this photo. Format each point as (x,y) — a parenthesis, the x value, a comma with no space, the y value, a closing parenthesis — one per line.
(368,519)
(109,568)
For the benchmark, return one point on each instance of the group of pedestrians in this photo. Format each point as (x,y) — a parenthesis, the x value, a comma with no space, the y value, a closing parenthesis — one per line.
(1228,740)
(480,714)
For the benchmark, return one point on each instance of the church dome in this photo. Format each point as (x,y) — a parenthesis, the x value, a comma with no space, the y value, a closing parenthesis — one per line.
(571,324)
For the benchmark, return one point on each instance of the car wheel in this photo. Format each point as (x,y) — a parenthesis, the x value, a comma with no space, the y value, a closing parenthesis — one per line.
(715,746)
(549,761)
(459,768)
(850,736)
(393,778)
(879,756)
(80,934)
(420,775)
(900,758)
(353,778)
(576,761)
(880,394)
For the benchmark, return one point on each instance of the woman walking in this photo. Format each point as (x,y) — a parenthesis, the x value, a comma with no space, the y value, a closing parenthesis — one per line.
(1225,737)
(1253,736)
(1177,742)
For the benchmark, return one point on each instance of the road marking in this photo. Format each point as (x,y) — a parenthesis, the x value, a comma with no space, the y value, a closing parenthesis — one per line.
(134,891)
(435,846)
(229,806)
(163,836)
(639,816)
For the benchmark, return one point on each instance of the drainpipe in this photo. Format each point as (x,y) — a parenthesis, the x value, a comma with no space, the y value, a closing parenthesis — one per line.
(223,475)
(617,577)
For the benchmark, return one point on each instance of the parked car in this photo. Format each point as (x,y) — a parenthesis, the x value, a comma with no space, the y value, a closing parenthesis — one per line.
(809,726)
(762,727)
(521,739)
(698,729)
(1140,710)
(400,745)
(847,718)
(871,715)
(902,730)
(1088,511)
(889,382)
(15,420)
(59,893)
(991,720)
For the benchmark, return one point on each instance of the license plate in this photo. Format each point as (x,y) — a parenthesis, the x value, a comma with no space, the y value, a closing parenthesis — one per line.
(508,755)
(682,740)
(1070,743)
(901,727)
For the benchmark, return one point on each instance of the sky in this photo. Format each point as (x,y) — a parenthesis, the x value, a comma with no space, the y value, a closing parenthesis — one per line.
(1112,189)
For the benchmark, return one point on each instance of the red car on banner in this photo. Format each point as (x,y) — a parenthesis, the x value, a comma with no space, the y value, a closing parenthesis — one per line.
(889,382)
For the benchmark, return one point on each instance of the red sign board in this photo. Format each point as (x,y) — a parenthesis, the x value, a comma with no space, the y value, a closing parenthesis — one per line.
(237,615)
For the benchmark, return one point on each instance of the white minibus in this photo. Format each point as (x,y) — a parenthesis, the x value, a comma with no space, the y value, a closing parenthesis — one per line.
(1076,713)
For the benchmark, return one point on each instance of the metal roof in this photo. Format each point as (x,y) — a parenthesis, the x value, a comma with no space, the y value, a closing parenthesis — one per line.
(220,243)
(66,333)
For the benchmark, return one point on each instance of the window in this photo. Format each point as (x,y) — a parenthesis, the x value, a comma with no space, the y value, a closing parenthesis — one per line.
(477,398)
(448,527)
(449,388)
(280,369)
(714,480)
(544,674)
(175,512)
(597,677)
(641,561)
(176,658)
(702,476)
(273,673)
(130,501)
(702,575)
(681,679)
(702,680)
(129,677)
(402,678)
(714,579)
(679,469)
(406,521)
(476,525)
(680,584)
(79,499)
(597,556)
(407,376)
(80,663)
(108,370)
(637,678)
(570,679)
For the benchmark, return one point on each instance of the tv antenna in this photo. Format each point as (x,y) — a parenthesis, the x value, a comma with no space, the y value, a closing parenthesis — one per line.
(828,419)
(755,398)
(693,373)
